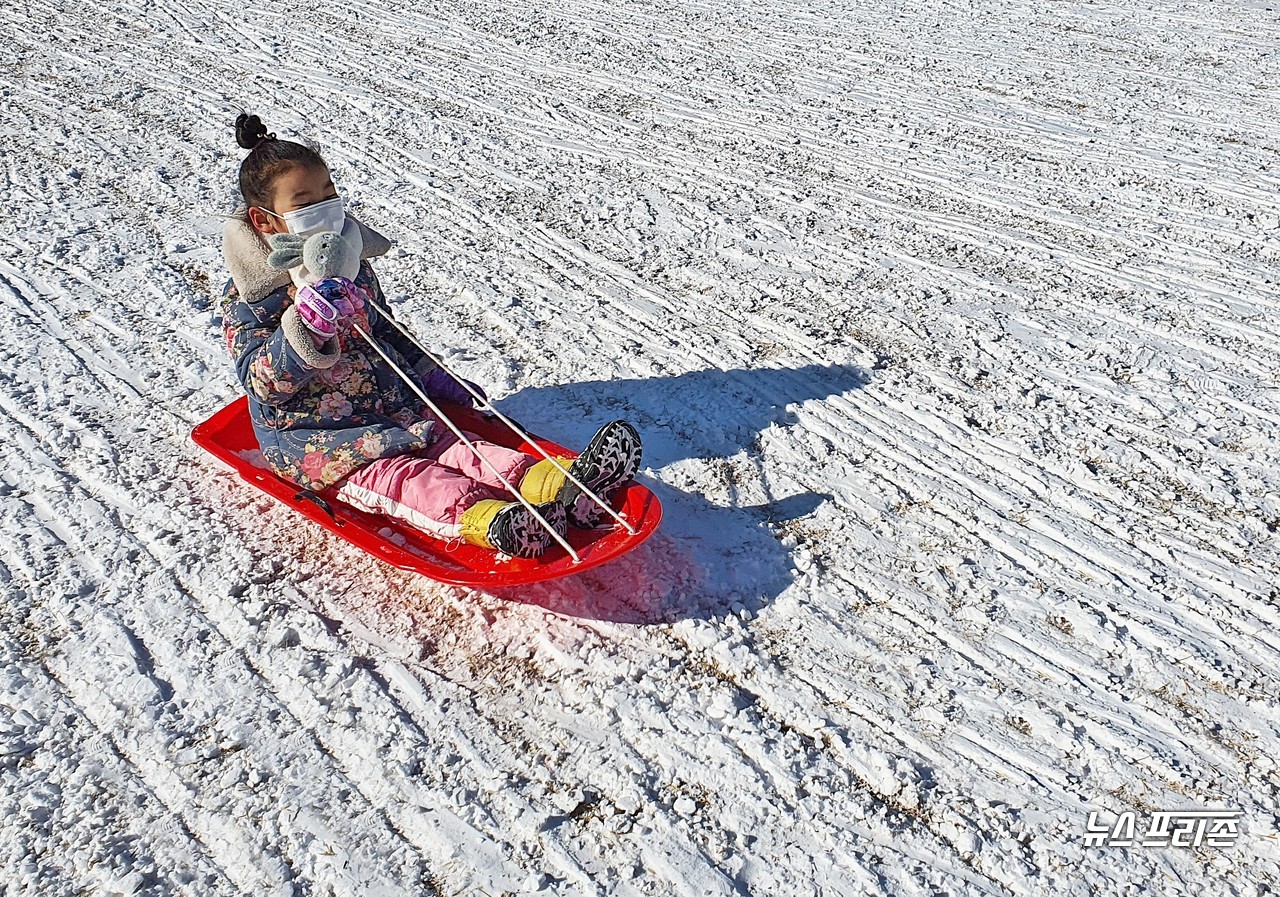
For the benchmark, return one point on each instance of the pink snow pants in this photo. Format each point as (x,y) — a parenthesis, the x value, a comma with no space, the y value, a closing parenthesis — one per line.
(431,489)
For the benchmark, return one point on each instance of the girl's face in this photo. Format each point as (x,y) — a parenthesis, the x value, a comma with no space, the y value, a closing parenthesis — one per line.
(295,188)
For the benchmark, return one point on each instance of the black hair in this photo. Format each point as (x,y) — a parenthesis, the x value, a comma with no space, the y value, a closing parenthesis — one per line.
(268,159)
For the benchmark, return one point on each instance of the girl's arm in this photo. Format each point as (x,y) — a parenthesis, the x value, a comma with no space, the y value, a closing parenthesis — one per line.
(275,354)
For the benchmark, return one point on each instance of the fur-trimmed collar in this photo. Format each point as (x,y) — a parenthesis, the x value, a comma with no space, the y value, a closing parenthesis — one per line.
(245,254)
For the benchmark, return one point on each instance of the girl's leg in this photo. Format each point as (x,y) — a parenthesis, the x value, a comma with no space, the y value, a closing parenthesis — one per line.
(449,505)
(452,452)
(418,490)
(609,460)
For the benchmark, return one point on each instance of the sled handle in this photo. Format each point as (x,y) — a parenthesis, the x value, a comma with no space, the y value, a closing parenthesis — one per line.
(487,406)
(435,409)
(306,495)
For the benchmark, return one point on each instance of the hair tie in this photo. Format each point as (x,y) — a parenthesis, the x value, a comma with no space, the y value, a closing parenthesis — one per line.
(251,133)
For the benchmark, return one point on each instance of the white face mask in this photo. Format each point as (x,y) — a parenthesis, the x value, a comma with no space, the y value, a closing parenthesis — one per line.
(319,217)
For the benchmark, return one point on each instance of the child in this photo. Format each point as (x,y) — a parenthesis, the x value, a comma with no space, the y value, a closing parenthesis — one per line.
(328,409)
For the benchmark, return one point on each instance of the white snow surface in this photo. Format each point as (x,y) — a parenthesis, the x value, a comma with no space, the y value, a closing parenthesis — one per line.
(951,329)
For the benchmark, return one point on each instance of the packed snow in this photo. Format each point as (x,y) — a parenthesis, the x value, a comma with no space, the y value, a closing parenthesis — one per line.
(951,329)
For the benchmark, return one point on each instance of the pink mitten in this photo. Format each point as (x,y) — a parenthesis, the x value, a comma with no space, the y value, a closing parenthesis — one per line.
(317,313)
(323,305)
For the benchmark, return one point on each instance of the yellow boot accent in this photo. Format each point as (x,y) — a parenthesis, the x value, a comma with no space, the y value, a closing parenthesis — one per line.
(476,519)
(543,482)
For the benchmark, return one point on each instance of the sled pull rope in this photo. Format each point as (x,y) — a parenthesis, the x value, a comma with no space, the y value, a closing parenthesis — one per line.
(486,405)
(435,409)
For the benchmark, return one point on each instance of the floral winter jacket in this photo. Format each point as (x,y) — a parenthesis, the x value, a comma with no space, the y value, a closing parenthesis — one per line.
(320,414)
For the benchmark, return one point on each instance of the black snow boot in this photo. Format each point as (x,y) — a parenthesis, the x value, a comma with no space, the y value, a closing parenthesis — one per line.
(610,459)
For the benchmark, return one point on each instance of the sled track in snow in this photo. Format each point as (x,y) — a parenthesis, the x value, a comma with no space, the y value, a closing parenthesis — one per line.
(951,334)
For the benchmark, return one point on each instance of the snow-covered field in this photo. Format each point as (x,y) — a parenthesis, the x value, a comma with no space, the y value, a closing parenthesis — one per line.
(952,331)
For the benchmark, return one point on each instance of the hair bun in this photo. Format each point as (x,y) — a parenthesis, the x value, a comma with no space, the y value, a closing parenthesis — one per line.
(250,131)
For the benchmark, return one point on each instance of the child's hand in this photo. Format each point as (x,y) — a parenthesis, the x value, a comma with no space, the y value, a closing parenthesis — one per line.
(318,314)
(322,306)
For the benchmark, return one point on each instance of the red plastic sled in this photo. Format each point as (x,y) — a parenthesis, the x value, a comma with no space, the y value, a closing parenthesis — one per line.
(228,436)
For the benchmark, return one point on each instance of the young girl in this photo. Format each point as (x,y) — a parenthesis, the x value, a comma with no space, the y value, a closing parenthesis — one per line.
(328,409)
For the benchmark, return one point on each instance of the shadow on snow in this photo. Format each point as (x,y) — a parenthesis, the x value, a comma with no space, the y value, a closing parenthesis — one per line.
(708,558)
